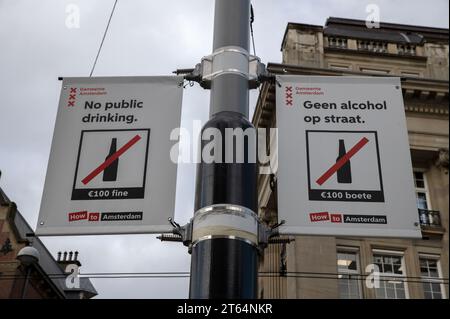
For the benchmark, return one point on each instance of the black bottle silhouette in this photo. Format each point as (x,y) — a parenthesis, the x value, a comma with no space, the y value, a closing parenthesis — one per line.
(110,173)
(344,174)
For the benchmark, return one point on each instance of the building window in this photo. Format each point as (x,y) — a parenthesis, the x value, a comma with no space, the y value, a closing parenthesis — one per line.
(430,272)
(349,275)
(421,191)
(427,216)
(392,275)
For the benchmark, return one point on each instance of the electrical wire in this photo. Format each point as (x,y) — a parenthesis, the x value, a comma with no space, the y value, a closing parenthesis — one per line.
(103,39)
(305,275)
(385,279)
(260,272)
(252,19)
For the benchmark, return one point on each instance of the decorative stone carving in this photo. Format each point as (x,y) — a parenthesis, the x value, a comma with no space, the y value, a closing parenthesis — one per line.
(6,247)
(442,160)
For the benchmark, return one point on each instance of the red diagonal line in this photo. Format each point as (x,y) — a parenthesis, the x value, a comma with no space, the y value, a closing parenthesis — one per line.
(111,159)
(344,159)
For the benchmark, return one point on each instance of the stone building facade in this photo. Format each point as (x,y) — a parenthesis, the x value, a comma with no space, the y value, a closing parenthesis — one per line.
(336,267)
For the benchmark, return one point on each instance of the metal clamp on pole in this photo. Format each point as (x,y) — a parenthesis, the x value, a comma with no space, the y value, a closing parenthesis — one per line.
(185,232)
(212,66)
(265,233)
(225,221)
(257,70)
(231,60)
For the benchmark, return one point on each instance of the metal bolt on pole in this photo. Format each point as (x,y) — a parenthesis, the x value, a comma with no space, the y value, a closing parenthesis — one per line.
(225,224)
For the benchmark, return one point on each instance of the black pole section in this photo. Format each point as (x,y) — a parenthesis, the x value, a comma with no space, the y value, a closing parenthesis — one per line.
(224,253)
(25,284)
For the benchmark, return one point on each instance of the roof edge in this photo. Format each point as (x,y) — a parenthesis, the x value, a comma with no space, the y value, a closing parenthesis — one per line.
(388,25)
(429,31)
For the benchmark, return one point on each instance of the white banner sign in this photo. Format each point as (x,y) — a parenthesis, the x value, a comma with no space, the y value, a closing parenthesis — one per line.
(110,169)
(344,160)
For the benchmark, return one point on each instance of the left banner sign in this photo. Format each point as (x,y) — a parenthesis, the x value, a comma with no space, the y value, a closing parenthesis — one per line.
(110,170)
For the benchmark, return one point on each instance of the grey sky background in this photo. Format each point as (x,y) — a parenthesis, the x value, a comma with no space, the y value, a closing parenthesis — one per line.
(145,38)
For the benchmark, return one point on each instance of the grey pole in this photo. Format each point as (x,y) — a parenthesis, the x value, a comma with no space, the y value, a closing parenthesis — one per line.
(229,92)
(224,239)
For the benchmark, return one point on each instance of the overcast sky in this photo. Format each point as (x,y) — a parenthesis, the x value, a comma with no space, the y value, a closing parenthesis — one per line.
(145,38)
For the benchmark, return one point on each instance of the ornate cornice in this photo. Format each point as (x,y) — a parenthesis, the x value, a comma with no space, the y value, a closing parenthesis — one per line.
(426,109)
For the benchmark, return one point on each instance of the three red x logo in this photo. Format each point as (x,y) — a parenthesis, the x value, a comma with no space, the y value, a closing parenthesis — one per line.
(288,93)
(72,97)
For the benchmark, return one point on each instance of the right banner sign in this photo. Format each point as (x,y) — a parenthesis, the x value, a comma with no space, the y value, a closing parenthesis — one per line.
(344,159)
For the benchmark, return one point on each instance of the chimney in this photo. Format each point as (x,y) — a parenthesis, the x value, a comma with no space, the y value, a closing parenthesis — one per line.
(67,259)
